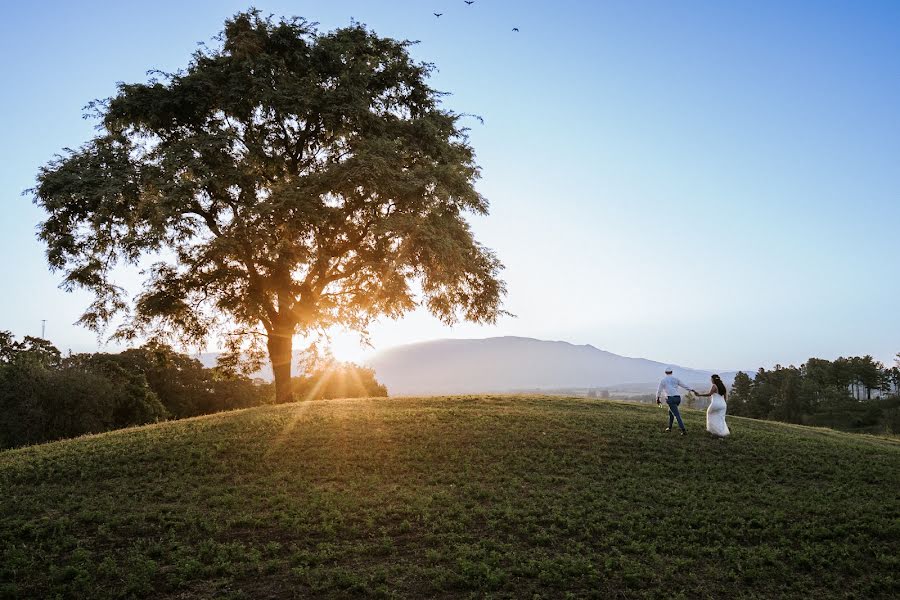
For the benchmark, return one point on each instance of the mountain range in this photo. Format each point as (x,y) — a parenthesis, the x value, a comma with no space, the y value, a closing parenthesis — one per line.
(513,364)
(516,364)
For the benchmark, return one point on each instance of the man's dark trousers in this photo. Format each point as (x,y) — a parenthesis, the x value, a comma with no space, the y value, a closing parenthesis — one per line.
(673,402)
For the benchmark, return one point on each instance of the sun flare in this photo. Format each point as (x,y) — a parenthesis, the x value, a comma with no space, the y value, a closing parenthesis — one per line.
(347,346)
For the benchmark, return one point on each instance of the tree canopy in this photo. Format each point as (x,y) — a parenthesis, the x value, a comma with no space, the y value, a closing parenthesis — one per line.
(820,392)
(285,181)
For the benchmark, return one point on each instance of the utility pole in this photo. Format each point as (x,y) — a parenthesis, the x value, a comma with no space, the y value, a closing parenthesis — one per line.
(43,329)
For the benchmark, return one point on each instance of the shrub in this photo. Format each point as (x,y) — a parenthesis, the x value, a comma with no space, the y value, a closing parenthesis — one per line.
(39,404)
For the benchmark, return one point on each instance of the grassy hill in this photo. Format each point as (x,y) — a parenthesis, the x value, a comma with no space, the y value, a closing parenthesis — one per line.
(506,497)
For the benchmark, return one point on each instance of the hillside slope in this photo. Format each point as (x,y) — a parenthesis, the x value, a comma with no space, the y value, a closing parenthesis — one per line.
(508,364)
(509,497)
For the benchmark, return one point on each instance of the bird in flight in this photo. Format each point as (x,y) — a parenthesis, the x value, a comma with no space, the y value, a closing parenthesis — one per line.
(515,28)
(438,15)
(470,2)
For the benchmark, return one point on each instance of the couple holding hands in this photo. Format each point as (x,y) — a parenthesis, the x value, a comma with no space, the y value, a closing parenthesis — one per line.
(715,413)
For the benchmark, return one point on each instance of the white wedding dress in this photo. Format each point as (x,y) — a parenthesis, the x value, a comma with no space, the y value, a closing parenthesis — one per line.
(715,416)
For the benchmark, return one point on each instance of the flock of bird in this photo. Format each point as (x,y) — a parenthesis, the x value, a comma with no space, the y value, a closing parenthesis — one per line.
(470,3)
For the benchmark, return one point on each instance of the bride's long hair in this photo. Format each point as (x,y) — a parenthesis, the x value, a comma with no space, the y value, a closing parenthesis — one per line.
(717,381)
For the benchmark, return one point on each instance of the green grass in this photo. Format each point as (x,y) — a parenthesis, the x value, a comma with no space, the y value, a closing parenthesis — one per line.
(515,497)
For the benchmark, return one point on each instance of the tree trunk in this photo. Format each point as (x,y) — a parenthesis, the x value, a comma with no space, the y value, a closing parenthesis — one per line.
(280,354)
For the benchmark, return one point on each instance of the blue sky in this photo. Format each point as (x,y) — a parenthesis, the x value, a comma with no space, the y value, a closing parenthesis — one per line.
(706,183)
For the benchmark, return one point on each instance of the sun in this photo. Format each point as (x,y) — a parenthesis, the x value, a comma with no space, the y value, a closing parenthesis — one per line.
(346,346)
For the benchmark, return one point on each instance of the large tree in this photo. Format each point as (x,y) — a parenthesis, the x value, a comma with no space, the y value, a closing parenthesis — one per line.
(284,182)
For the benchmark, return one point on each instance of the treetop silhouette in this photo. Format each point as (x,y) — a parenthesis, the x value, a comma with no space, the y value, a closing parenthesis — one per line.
(283,182)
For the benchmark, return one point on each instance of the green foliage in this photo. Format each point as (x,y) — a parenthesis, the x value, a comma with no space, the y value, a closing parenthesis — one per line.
(740,393)
(297,179)
(821,392)
(338,380)
(37,350)
(38,403)
(43,397)
(184,386)
(516,497)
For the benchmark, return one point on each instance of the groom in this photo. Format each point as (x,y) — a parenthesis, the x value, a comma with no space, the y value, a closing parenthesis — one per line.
(670,385)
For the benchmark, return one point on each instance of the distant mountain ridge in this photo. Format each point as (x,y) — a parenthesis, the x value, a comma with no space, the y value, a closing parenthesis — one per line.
(511,364)
(508,364)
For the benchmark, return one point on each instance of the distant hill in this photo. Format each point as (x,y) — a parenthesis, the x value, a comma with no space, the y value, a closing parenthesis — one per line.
(470,497)
(511,364)
(508,364)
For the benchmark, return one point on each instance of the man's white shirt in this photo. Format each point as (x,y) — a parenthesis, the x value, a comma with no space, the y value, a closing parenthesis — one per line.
(669,385)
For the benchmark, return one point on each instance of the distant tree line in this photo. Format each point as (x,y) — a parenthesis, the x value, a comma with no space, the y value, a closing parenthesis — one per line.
(338,380)
(853,394)
(45,396)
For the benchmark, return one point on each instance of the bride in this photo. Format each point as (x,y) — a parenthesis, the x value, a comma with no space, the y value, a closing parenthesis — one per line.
(715,414)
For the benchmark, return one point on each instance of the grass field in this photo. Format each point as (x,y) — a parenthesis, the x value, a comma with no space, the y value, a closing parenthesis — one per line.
(509,497)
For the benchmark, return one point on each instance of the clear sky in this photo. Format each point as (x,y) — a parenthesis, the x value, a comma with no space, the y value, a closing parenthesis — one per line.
(713,184)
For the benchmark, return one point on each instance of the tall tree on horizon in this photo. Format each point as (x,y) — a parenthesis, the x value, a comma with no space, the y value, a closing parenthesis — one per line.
(740,395)
(284,182)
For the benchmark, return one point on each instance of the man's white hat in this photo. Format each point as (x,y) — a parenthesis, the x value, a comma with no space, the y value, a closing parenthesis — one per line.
(669,369)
